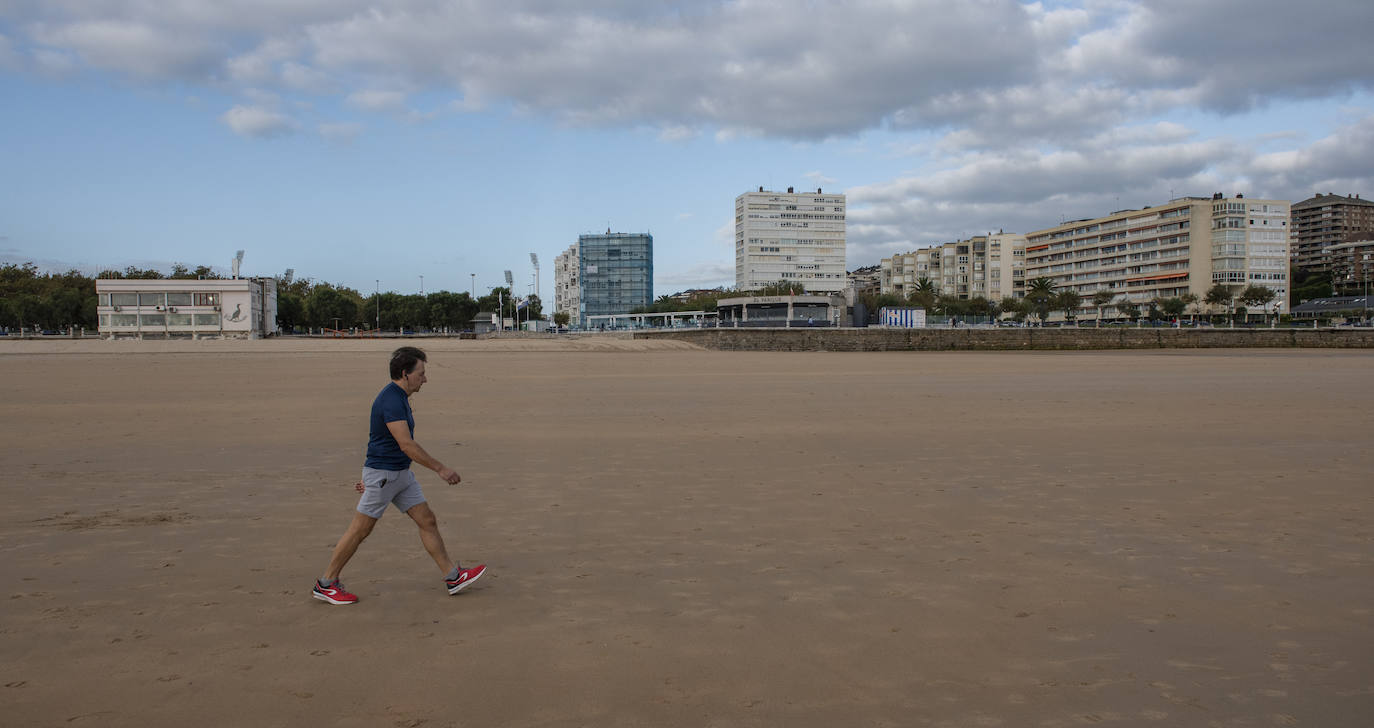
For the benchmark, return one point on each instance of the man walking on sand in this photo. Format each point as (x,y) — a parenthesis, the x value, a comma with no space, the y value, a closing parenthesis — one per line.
(387,479)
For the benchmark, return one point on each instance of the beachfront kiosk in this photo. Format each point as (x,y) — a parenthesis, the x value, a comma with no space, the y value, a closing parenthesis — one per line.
(175,308)
(783,311)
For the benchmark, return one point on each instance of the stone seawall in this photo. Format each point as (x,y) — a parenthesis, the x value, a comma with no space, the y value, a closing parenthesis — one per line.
(1028,339)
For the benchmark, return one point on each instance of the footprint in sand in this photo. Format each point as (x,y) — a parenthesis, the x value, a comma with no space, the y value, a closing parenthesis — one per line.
(320,653)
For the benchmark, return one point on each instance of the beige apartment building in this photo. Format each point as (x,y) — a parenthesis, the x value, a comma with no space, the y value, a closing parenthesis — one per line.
(984,266)
(1184,246)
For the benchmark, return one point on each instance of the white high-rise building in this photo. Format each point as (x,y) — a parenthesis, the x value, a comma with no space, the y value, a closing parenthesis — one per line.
(567,293)
(790,237)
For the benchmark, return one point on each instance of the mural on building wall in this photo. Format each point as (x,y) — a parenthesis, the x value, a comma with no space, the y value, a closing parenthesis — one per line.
(237,315)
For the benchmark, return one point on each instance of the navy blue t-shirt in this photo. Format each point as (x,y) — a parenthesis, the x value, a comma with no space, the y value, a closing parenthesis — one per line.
(391,405)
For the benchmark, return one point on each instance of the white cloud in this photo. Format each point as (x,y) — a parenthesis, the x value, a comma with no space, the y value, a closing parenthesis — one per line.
(725,235)
(1343,161)
(137,48)
(341,131)
(1028,189)
(304,78)
(704,275)
(820,179)
(999,70)
(677,133)
(255,121)
(9,59)
(54,63)
(377,100)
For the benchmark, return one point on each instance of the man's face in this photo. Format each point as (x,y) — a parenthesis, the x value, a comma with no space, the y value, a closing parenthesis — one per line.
(416,379)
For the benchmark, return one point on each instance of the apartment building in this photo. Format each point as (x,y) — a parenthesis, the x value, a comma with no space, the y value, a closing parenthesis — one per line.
(1184,246)
(1006,266)
(790,237)
(1352,265)
(984,266)
(566,289)
(865,280)
(1322,221)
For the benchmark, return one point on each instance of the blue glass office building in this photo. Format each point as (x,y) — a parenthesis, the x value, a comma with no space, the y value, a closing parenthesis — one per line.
(616,271)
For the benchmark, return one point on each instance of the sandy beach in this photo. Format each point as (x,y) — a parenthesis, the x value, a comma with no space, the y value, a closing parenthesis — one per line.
(680,537)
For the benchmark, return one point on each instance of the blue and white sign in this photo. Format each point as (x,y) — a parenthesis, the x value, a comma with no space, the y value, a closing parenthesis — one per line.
(904,318)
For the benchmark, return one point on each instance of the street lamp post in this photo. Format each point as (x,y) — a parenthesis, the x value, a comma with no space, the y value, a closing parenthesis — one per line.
(422,285)
(379,304)
(474,286)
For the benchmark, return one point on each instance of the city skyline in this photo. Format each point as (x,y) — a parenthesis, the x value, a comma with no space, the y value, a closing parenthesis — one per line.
(357,141)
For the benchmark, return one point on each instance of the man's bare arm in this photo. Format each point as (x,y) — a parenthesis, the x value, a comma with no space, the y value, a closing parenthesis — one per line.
(401,431)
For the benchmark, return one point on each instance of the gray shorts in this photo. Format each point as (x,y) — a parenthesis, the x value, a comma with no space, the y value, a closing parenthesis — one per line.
(381,487)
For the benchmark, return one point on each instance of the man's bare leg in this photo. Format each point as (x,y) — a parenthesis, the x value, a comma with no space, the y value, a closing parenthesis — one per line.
(429,535)
(348,544)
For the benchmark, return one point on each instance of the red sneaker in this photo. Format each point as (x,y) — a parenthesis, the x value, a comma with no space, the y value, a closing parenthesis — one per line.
(334,593)
(465,577)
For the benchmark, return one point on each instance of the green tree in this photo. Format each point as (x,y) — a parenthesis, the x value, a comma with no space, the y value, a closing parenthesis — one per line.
(873,302)
(1101,297)
(453,311)
(1014,306)
(781,288)
(1173,307)
(328,307)
(981,307)
(1219,295)
(1306,285)
(1040,297)
(148,273)
(561,319)
(290,311)
(952,305)
(533,310)
(925,294)
(1129,308)
(1068,301)
(1258,297)
(1189,299)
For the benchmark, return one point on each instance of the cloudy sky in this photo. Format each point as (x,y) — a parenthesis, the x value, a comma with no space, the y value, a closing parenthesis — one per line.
(359,141)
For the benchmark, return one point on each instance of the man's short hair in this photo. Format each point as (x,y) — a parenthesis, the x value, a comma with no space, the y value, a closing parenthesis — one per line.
(404,359)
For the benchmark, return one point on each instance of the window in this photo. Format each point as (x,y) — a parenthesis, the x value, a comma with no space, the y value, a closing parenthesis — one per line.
(119,320)
(123,299)
(212,299)
(150,299)
(206,319)
(152,319)
(178,299)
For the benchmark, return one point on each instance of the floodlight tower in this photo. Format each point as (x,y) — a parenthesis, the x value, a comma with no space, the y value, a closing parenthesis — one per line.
(534,260)
(238,261)
(510,286)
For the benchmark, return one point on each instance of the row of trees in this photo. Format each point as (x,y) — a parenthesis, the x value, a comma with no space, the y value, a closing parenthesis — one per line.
(705,300)
(53,301)
(1042,298)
